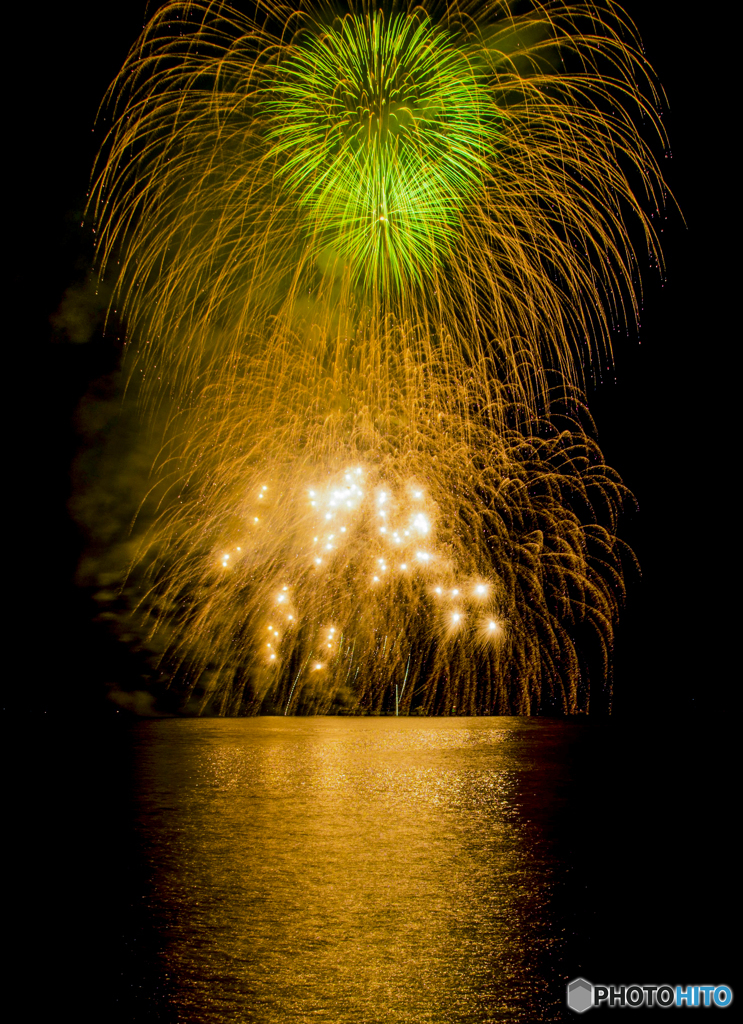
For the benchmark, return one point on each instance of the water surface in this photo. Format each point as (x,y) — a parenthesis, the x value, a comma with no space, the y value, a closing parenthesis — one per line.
(371,870)
(365,870)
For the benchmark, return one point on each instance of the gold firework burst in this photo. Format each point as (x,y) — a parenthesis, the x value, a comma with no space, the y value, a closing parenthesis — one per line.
(358,248)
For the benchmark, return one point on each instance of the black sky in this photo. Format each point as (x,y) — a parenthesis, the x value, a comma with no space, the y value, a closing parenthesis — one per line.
(659,415)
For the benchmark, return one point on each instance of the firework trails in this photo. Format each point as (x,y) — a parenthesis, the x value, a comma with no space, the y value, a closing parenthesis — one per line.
(365,253)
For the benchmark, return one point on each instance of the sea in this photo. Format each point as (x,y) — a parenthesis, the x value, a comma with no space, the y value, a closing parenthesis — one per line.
(340,870)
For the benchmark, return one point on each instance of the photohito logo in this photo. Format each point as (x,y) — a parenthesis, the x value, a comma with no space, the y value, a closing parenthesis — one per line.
(582,995)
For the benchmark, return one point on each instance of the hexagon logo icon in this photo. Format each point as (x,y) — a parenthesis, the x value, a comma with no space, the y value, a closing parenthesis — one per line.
(580,995)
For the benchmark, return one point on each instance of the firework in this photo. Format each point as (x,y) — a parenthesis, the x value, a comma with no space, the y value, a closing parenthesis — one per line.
(357,251)
(466,169)
(326,558)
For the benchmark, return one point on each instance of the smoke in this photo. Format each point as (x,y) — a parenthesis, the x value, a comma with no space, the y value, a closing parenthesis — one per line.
(81,312)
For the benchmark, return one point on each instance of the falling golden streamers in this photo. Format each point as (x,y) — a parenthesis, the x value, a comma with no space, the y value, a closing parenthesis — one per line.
(356,250)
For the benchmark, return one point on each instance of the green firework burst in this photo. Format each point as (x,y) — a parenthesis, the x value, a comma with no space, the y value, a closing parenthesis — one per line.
(382,129)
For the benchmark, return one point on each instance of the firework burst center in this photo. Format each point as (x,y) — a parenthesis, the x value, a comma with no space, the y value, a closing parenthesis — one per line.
(382,130)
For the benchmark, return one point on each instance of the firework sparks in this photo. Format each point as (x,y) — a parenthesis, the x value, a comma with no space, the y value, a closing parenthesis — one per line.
(520,552)
(466,170)
(361,252)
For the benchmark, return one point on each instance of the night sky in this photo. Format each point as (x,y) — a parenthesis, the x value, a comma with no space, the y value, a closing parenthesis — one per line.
(659,421)
(663,425)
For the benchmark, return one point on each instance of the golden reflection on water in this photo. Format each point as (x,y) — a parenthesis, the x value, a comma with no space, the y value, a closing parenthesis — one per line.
(354,870)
